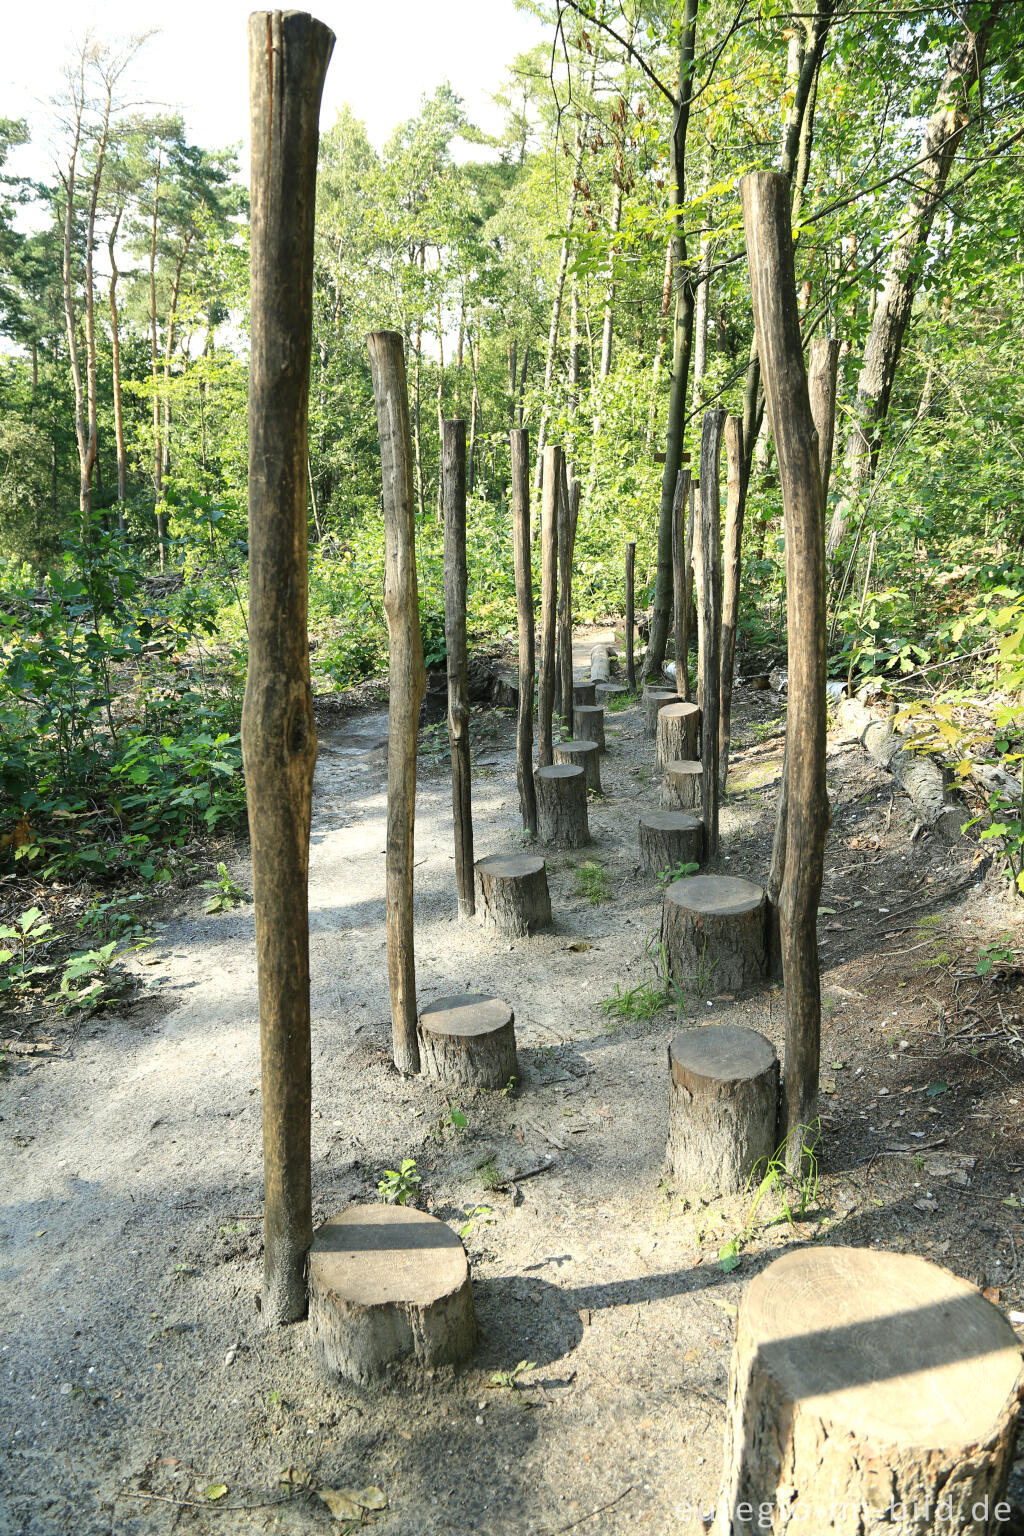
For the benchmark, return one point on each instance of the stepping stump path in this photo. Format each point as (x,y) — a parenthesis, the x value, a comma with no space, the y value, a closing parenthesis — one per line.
(654,700)
(583,693)
(723,1106)
(715,931)
(588,723)
(512,893)
(869,1391)
(678,733)
(668,838)
(603,662)
(387,1284)
(680,785)
(582,754)
(562,806)
(468,1041)
(605,691)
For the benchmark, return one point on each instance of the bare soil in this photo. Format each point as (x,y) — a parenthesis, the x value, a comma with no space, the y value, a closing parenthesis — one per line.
(137,1377)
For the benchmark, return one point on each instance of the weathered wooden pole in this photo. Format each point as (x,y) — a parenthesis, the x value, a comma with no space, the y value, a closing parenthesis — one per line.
(766,218)
(568,509)
(453,483)
(288,56)
(822,371)
(406,681)
(709,619)
(520,443)
(680,502)
(548,584)
(736,495)
(630,612)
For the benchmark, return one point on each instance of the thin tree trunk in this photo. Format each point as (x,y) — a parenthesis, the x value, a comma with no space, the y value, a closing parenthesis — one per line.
(709,618)
(630,612)
(169,340)
(70,180)
(520,442)
(659,347)
(680,555)
(548,599)
(608,326)
(115,368)
(731,567)
(92,429)
(453,479)
(822,372)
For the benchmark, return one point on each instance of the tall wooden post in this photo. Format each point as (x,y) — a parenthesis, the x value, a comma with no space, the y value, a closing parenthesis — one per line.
(520,442)
(680,501)
(766,218)
(548,584)
(406,681)
(453,483)
(822,371)
(630,612)
(709,619)
(735,500)
(288,57)
(563,681)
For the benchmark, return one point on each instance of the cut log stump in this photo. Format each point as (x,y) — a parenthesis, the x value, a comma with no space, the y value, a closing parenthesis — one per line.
(868,1391)
(588,723)
(469,1041)
(585,755)
(512,893)
(603,662)
(388,1284)
(678,733)
(723,1107)
(668,838)
(715,931)
(605,691)
(654,700)
(562,806)
(583,693)
(680,785)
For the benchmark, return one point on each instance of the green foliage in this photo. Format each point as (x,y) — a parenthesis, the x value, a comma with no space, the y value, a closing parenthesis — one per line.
(678,871)
(398,1186)
(592,882)
(224,893)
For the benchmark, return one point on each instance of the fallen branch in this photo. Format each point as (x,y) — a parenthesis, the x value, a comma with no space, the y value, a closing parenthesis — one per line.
(918,775)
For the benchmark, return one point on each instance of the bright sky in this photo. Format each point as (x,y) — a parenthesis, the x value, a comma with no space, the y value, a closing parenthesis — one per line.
(388,53)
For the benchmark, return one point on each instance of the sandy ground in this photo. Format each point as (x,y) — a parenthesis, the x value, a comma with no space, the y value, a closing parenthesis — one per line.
(136,1373)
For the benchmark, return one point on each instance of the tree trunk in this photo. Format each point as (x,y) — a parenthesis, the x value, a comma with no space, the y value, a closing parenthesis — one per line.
(659,346)
(709,620)
(568,511)
(453,482)
(680,554)
(731,565)
(548,585)
(288,56)
(70,180)
(115,365)
(406,681)
(630,612)
(520,441)
(767,224)
(822,371)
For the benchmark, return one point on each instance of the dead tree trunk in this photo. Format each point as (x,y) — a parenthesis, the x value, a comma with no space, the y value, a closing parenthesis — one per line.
(680,504)
(709,619)
(406,680)
(520,440)
(766,217)
(736,496)
(822,371)
(630,613)
(548,583)
(453,481)
(568,511)
(288,55)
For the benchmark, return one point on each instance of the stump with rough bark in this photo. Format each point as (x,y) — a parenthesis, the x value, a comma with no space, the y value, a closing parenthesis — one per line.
(668,838)
(723,1107)
(715,931)
(388,1284)
(562,806)
(605,691)
(655,699)
(588,721)
(512,893)
(469,1041)
(869,1392)
(583,693)
(678,733)
(585,755)
(680,785)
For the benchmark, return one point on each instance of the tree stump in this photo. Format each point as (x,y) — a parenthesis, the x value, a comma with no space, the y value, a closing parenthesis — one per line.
(723,1107)
(715,931)
(668,838)
(388,1283)
(468,1041)
(588,720)
(512,893)
(654,700)
(603,662)
(680,785)
(583,693)
(585,755)
(868,1391)
(562,806)
(678,733)
(605,691)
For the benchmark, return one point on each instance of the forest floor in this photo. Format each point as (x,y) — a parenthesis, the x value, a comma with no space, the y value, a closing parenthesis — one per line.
(141,1392)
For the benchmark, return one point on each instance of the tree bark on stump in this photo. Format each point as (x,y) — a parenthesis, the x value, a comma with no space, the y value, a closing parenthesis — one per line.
(590,724)
(512,893)
(680,554)
(520,443)
(453,484)
(709,622)
(681,785)
(723,1107)
(583,693)
(562,806)
(288,57)
(585,755)
(668,838)
(715,933)
(678,735)
(406,681)
(869,1392)
(655,700)
(735,501)
(630,612)
(605,691)
(469,1041)
(388,1284)
(548,585)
